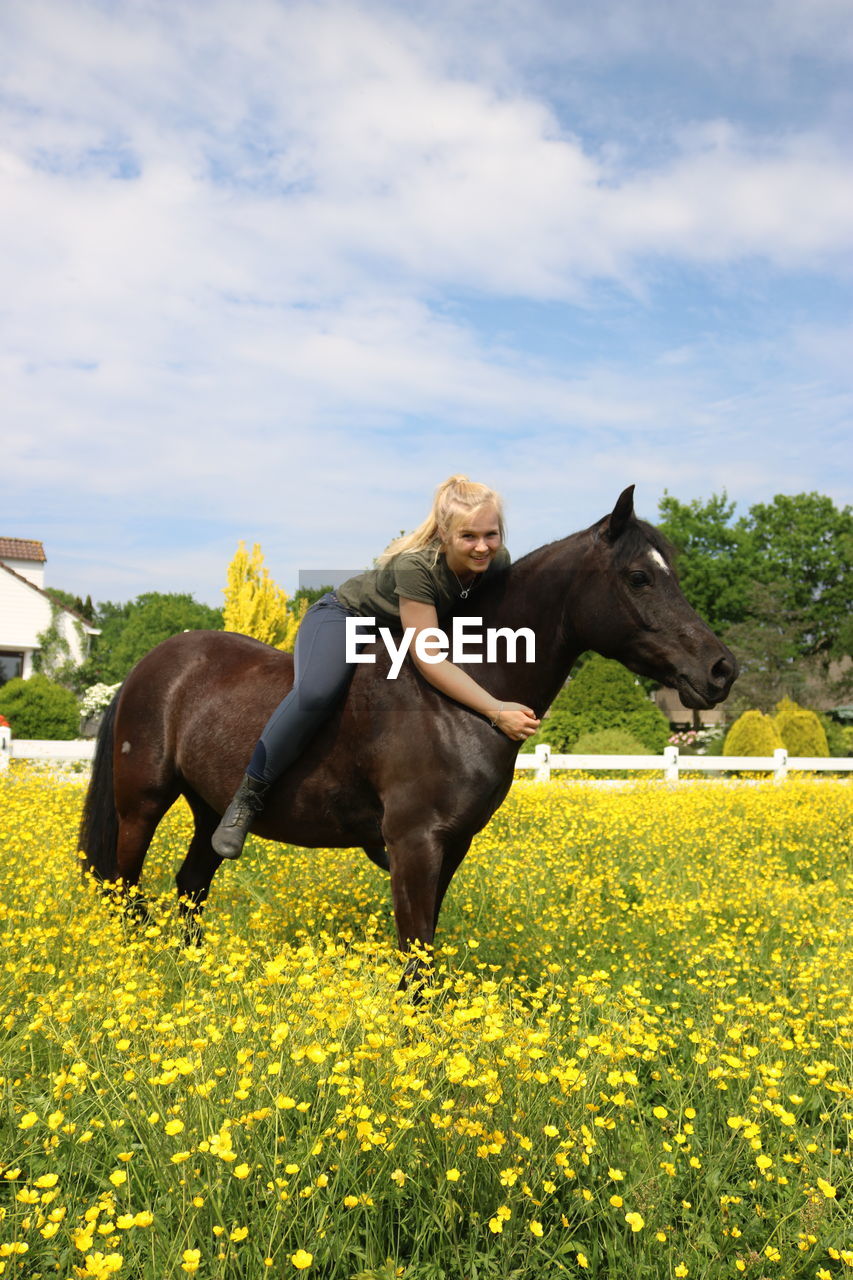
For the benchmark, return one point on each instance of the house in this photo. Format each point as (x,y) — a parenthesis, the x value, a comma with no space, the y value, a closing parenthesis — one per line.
(681,717)
(27,611)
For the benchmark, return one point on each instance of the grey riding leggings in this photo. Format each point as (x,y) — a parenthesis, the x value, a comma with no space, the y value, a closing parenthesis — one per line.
(321,679)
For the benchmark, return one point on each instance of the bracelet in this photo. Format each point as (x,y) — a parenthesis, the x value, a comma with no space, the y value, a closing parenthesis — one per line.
(494,723)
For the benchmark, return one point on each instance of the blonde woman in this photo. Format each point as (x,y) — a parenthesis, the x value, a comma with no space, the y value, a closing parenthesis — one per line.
(420,580)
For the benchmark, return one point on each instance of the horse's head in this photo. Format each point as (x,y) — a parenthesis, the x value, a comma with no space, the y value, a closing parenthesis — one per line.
(634,610)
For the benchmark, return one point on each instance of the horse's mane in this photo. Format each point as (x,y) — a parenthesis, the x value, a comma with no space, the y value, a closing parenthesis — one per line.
(637,537)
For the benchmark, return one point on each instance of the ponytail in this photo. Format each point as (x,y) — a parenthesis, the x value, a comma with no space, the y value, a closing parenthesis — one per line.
(454,501)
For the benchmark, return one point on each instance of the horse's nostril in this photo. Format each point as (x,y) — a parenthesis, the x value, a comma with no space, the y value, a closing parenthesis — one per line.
(723,669)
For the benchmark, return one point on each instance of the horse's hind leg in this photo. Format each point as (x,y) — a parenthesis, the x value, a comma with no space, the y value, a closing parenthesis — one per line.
(198,867)
(145,788)
(135,833)
(137,823)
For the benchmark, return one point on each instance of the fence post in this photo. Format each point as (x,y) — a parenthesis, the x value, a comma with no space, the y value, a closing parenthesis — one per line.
(780,759)
(543,762)
(5,747)
(670,764)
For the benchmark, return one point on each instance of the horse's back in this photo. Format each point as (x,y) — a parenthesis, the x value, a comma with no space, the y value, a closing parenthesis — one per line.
(198,702)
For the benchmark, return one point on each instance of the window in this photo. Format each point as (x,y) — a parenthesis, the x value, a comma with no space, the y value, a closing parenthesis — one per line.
(11,665)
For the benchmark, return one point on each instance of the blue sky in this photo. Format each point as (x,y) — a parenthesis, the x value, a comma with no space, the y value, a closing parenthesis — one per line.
(272,270)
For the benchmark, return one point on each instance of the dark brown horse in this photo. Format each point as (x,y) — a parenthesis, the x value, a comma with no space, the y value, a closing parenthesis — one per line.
(399,769)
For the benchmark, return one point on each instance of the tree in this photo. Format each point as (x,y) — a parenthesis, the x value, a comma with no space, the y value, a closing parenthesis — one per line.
(806,543)
(129,631)
(256,606)
(309,594)
(775,583)
(714,557)
(603,695)
(765,642)
(69,601)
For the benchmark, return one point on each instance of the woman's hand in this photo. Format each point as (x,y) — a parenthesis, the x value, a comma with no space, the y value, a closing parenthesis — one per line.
(512,718)
(516,721)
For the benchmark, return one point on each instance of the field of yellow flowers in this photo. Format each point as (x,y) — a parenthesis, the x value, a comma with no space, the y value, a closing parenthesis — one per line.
(634,1060)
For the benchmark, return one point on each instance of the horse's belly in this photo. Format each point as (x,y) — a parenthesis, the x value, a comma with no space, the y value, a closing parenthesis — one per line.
(321,813)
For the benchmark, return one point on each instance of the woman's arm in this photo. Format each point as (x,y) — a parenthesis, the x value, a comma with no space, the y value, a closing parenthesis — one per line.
(516,721)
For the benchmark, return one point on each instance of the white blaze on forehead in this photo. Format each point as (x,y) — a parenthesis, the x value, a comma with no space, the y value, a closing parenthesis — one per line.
(657,558)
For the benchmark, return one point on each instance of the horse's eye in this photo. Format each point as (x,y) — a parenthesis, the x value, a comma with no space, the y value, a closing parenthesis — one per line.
(639,578)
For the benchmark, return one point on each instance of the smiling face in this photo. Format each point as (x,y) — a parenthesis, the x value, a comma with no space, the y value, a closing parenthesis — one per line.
(472,541)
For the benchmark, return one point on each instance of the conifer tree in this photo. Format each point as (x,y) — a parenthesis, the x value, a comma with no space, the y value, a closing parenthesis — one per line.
(255,605)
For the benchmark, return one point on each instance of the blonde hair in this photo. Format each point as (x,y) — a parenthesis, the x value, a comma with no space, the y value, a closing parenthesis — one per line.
(455,500)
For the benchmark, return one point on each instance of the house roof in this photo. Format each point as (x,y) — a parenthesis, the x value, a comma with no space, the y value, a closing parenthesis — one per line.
(21,549)
(93,631)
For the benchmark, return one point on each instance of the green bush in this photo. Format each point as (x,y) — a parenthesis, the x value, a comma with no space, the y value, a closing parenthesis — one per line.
(800,730)
(38,708)
(604,695)
(836,739)
(609,742)
(752,734)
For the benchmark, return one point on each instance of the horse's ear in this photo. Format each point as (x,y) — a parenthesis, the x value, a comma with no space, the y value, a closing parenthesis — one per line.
(617,521)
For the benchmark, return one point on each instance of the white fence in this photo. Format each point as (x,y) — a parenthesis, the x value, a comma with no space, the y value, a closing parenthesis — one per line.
(37,749)
(542,762)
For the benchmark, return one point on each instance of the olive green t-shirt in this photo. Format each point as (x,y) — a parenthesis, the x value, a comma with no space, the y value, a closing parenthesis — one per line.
(415,575)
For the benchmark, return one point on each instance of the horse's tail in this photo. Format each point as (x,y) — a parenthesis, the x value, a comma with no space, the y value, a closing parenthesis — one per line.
(99,825)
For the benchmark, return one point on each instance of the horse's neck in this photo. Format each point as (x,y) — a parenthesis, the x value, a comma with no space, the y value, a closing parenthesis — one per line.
(535,596)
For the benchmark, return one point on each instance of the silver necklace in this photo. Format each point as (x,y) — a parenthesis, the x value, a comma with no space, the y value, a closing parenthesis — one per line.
(464,592)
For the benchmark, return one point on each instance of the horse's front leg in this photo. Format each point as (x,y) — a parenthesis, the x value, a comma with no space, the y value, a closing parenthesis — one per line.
(422,866)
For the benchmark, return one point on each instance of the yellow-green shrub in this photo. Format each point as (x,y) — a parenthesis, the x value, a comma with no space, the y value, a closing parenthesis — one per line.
(752,734)
(616,742)
(800,729)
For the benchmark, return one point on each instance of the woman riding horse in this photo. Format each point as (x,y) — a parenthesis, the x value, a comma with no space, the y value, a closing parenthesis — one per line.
(420,580)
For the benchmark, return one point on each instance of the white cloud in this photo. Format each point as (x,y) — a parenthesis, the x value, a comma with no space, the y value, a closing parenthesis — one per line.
(234,236)
(338,152)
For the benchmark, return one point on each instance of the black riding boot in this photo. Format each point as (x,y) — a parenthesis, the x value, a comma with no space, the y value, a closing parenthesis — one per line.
(230,836)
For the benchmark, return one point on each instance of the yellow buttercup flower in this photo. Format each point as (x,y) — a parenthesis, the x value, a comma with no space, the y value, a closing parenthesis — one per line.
(631,969)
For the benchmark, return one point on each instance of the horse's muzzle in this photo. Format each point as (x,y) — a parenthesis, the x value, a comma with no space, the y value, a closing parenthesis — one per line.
(699,693)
